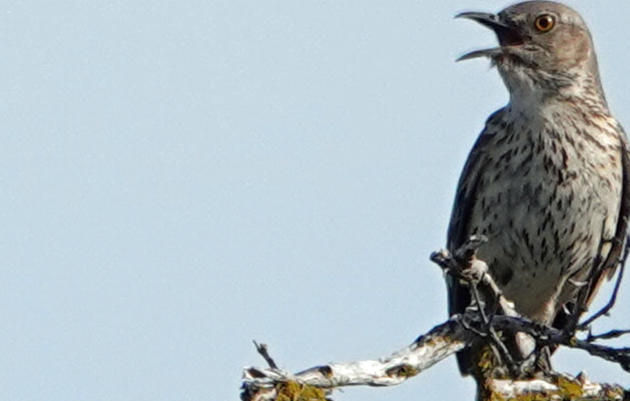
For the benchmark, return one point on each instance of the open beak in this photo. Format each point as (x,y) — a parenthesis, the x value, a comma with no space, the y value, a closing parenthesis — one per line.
(506,34)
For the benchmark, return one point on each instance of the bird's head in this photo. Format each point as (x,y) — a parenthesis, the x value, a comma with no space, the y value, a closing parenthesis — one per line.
(544,47)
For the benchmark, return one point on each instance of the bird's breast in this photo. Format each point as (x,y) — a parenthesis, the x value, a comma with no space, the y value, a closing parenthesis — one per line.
(546,195)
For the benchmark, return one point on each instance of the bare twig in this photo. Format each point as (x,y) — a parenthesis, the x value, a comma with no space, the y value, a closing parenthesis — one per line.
(607,335)
(551,336)
(499,346)
(264,352)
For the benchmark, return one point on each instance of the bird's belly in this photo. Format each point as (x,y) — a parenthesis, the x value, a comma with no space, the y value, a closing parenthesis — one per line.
(543,233)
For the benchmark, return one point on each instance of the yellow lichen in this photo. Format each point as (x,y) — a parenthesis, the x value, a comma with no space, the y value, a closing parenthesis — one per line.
(569,389)
(402,371)
(293,391)
(486,362)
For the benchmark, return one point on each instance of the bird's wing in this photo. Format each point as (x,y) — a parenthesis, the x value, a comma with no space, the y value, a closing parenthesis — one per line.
(459,226)
(607,269)
(465,198)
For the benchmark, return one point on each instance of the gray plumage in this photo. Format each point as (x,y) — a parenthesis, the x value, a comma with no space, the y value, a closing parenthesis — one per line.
(547,179)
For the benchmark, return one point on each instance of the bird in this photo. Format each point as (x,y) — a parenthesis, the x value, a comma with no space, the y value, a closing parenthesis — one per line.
(547,181)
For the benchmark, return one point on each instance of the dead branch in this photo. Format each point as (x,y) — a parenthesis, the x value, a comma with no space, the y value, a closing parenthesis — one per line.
(558,387)
(316,383)
(440,342)
(261,384)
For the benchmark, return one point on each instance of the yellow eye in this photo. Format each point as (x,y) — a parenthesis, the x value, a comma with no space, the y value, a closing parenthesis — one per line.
(544,23)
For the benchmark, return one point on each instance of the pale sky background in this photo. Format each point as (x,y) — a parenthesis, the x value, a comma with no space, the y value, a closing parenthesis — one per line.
(180,178)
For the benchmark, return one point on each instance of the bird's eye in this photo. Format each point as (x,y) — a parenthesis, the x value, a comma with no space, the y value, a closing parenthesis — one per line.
(544,23)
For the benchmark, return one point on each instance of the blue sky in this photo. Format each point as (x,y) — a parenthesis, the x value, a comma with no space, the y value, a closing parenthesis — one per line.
(181,178)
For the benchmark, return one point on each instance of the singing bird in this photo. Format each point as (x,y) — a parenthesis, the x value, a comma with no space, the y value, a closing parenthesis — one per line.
(547,179)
